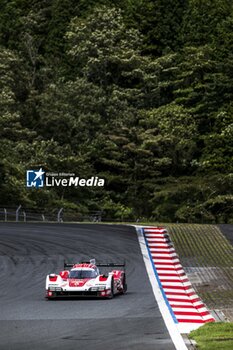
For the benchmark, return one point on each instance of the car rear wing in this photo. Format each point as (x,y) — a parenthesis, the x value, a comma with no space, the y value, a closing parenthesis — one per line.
(92,261)
(68,265)
(110,265)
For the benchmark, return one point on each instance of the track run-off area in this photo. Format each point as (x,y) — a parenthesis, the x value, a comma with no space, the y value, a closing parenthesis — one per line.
(30,251)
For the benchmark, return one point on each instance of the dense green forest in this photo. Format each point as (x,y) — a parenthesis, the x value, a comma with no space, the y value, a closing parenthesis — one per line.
(137,92)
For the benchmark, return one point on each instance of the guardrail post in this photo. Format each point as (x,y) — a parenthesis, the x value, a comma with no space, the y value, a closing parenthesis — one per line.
(5,211)
(24,216)
(43,217)
(17,213)
(59,215)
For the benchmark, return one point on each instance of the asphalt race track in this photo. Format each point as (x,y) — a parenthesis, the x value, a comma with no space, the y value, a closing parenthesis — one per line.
(28,252)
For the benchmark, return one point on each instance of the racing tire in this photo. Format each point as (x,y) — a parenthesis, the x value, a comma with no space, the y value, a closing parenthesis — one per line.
(112,289)
(53,297)
(124,285)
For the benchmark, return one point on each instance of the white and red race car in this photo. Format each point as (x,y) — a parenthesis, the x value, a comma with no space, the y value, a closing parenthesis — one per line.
(85,279)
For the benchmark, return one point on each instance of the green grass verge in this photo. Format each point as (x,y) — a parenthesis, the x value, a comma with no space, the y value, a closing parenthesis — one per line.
(214,336)
(205,250)
(204,245)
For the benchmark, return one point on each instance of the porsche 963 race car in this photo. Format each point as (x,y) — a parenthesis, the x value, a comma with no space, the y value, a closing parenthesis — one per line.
(84,279)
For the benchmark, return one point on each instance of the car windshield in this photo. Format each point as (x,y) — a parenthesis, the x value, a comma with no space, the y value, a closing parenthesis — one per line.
(80,274)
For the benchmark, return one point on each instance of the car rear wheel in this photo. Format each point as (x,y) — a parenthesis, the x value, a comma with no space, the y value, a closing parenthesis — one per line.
(112,289)
(50,295)
(124,285)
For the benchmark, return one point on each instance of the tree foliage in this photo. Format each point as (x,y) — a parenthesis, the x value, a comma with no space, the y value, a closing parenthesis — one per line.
(138,92)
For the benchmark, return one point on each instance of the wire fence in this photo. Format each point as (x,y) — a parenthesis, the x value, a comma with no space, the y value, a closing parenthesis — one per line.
(21,214)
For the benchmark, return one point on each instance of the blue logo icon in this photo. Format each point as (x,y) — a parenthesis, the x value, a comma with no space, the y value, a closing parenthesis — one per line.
(35,178)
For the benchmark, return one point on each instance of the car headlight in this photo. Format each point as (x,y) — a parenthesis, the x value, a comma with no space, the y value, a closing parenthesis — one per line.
(102,288)
(55,289)
(96,289)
